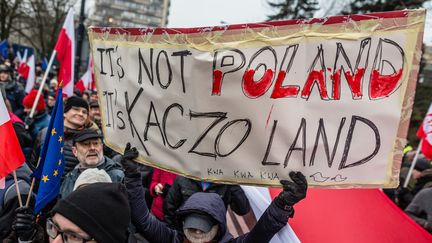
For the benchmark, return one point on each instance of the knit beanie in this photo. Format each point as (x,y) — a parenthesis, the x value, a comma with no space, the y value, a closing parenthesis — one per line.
(31,97)
(100,209)
(90,176)
(77,102)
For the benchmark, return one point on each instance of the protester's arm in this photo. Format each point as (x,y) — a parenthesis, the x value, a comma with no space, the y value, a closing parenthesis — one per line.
(172,202)
(146,224)
(239,202)
(277,214)
(417,208)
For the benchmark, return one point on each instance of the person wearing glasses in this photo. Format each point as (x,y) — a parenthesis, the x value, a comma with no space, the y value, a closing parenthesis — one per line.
(97,212)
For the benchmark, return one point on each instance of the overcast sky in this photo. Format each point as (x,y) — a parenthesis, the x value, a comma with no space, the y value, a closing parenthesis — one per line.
(197,13)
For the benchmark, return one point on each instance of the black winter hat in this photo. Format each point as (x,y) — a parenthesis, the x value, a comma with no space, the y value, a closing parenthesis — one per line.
(77,102)
(100,209)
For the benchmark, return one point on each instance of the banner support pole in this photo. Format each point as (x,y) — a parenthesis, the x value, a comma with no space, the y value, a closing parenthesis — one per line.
(413,163)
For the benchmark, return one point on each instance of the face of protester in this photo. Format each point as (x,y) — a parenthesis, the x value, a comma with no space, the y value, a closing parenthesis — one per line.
(51,101)
(76,117)
(94,97)
(61,225)
(95,114)
(89,152)
(4,76)
(198,236)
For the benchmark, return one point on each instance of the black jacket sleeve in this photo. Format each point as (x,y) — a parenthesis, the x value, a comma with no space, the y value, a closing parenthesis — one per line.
(146,224)
(272,220)
(172,201)
(239,202)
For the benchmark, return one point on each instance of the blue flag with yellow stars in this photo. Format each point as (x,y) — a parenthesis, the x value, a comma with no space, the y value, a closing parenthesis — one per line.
(51,164)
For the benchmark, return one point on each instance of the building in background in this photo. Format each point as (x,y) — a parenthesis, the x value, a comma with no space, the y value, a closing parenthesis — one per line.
(130,13)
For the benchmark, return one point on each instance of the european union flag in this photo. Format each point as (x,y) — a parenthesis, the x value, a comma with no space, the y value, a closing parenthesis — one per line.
(51,165)
(44,64)
(4,46)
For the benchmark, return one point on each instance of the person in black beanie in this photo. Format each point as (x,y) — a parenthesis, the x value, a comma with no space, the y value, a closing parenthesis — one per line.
(97,212)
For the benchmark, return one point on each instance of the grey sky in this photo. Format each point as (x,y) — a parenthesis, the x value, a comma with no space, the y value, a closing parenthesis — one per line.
(197,13)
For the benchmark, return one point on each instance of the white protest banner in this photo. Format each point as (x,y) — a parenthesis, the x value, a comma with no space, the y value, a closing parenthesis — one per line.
(248,103)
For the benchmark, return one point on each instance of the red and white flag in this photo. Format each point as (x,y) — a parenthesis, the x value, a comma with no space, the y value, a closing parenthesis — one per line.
(31,77)
(65,48)
(11,155)
(86,81)
(23,67)
(425,133)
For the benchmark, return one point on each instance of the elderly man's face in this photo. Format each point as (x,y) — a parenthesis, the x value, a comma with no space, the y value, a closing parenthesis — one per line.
(59,225)
(89,152)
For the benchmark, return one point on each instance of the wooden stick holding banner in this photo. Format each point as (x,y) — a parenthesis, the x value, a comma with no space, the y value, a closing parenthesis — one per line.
(413,163)
(17,188)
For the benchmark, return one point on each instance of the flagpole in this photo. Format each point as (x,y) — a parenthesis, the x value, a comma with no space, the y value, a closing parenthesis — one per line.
(31,186)
(17,188)
(42,83)
(413,163)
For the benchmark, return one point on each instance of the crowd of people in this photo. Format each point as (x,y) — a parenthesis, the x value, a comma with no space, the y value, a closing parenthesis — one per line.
(108,197)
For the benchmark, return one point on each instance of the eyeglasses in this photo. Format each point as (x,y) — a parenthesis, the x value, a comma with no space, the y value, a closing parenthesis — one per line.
(53,231)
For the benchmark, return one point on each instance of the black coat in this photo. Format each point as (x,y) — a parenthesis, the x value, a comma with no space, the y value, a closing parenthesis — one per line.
(182,188)
(272,220)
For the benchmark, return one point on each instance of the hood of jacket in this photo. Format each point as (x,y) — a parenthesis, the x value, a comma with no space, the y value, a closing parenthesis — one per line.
(210,204)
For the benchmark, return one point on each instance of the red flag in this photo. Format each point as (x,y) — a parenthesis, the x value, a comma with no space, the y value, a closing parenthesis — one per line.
(86,81)
(23,70)
(425,133)
(65,48)
(31,74)
(11,155)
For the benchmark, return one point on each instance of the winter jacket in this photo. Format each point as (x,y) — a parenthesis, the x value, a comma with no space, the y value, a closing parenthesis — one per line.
(165,178)
(40,122)
(272,220)
(420,209)
(113,169)
(9,199)
(183,188)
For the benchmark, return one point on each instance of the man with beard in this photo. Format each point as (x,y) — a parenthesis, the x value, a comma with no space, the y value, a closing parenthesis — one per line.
(95,114)
(202,218)
(88,149)
(14,91)
(76,119)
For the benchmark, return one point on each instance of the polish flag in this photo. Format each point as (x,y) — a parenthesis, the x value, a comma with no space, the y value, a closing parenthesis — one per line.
(65,48)
(425,133)
(86,81)
(31,77)
(23,67)
(11,155)
(259,199)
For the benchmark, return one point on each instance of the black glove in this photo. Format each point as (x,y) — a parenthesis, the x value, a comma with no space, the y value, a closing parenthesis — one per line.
(127,161)
(24,223)
(29,122)
(165,190)
(293,191)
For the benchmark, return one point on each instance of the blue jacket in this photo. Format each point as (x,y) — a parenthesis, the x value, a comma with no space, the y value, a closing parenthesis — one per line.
(273,219)
(40,122)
